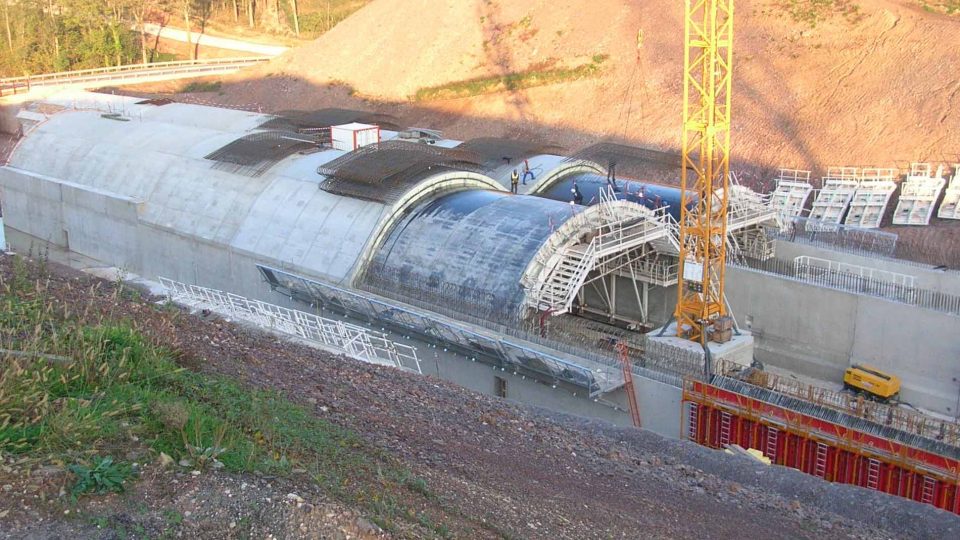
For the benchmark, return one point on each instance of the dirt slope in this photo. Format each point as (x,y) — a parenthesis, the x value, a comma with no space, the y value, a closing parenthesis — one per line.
(493,468)
(875,86)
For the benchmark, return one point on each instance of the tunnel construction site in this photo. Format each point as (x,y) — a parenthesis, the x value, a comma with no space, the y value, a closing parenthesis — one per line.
(517,269)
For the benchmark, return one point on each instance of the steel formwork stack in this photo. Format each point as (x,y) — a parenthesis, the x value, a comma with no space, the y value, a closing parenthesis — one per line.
(718,417)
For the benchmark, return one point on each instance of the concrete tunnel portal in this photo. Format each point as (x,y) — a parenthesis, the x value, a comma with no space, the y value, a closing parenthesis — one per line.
(214,196)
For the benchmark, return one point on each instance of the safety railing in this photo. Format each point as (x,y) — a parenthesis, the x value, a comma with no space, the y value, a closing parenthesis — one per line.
(855,240)
(662,272)
(350,339)
(15,85)
(900,418)
(924,298)
(808,267)
(624,234)
(61,75)
(494,346)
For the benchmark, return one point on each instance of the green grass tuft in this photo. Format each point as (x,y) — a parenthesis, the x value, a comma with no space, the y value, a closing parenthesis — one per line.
(103,475)
(201,86)
(511,81)
(813,12)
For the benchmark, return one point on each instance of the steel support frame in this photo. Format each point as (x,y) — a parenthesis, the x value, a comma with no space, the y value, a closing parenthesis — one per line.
(834,454)
(707,60)
(612,268)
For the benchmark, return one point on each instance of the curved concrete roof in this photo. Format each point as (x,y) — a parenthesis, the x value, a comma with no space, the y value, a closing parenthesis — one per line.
(156,158)
(449,234)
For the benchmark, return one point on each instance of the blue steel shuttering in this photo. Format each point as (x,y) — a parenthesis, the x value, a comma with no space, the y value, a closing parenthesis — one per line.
(590,185)
(466,251)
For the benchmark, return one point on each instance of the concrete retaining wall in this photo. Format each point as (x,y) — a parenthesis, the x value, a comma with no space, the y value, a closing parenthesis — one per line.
(659,403)
(945,281)
(819,332)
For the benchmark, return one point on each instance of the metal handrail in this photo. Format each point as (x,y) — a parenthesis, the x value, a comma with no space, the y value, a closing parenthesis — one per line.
(353,340)
(134,67)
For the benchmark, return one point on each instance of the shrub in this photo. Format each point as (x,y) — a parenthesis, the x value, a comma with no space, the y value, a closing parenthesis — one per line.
(105,476)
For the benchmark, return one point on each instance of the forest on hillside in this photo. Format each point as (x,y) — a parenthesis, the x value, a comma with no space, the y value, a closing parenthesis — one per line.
(43,36)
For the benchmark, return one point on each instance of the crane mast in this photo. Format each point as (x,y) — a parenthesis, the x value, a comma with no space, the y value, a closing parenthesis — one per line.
(705,171)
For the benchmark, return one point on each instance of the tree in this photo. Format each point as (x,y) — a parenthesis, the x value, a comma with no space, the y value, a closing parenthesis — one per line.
(140,10)
(6,23)
(296,17)
(204,8)
(186,6)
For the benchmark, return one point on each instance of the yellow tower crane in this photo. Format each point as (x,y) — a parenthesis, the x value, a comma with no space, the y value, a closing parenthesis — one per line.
(707,63)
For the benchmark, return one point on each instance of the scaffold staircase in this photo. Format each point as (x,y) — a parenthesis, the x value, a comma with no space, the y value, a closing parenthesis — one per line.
(613,237)
(568,276)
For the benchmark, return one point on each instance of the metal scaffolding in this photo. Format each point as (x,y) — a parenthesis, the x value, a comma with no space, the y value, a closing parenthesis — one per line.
(624,239)
(790,195)
(349,339)
(869,201)
(918,196)
(950,207)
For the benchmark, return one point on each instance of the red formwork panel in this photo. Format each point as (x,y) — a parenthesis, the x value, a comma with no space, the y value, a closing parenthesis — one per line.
(717,418)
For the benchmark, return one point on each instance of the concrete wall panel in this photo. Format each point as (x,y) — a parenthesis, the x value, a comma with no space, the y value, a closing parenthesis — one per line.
(32,206)
(86,217)
(819,332)
(920,346)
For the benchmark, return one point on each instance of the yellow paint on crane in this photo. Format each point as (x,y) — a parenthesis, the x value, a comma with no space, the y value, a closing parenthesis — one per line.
(707,63)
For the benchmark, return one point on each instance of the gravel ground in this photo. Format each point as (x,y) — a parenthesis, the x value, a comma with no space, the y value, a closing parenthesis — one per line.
(517,470)
(169,502)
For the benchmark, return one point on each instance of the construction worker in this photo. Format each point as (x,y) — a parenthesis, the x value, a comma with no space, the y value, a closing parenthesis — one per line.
(577,196)
(514,180)
(526,171)
(612,174)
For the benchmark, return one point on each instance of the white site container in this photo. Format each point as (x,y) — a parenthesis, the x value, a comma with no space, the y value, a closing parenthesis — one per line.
(349,137)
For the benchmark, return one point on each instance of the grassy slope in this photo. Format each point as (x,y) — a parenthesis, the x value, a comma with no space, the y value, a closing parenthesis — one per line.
(76,387)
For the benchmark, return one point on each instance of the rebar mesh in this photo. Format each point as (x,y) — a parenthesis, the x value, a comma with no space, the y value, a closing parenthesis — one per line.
(584,338)
(255,153)
(384,171)
(633,161)
(295,120)
(495,151)
(872,426)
